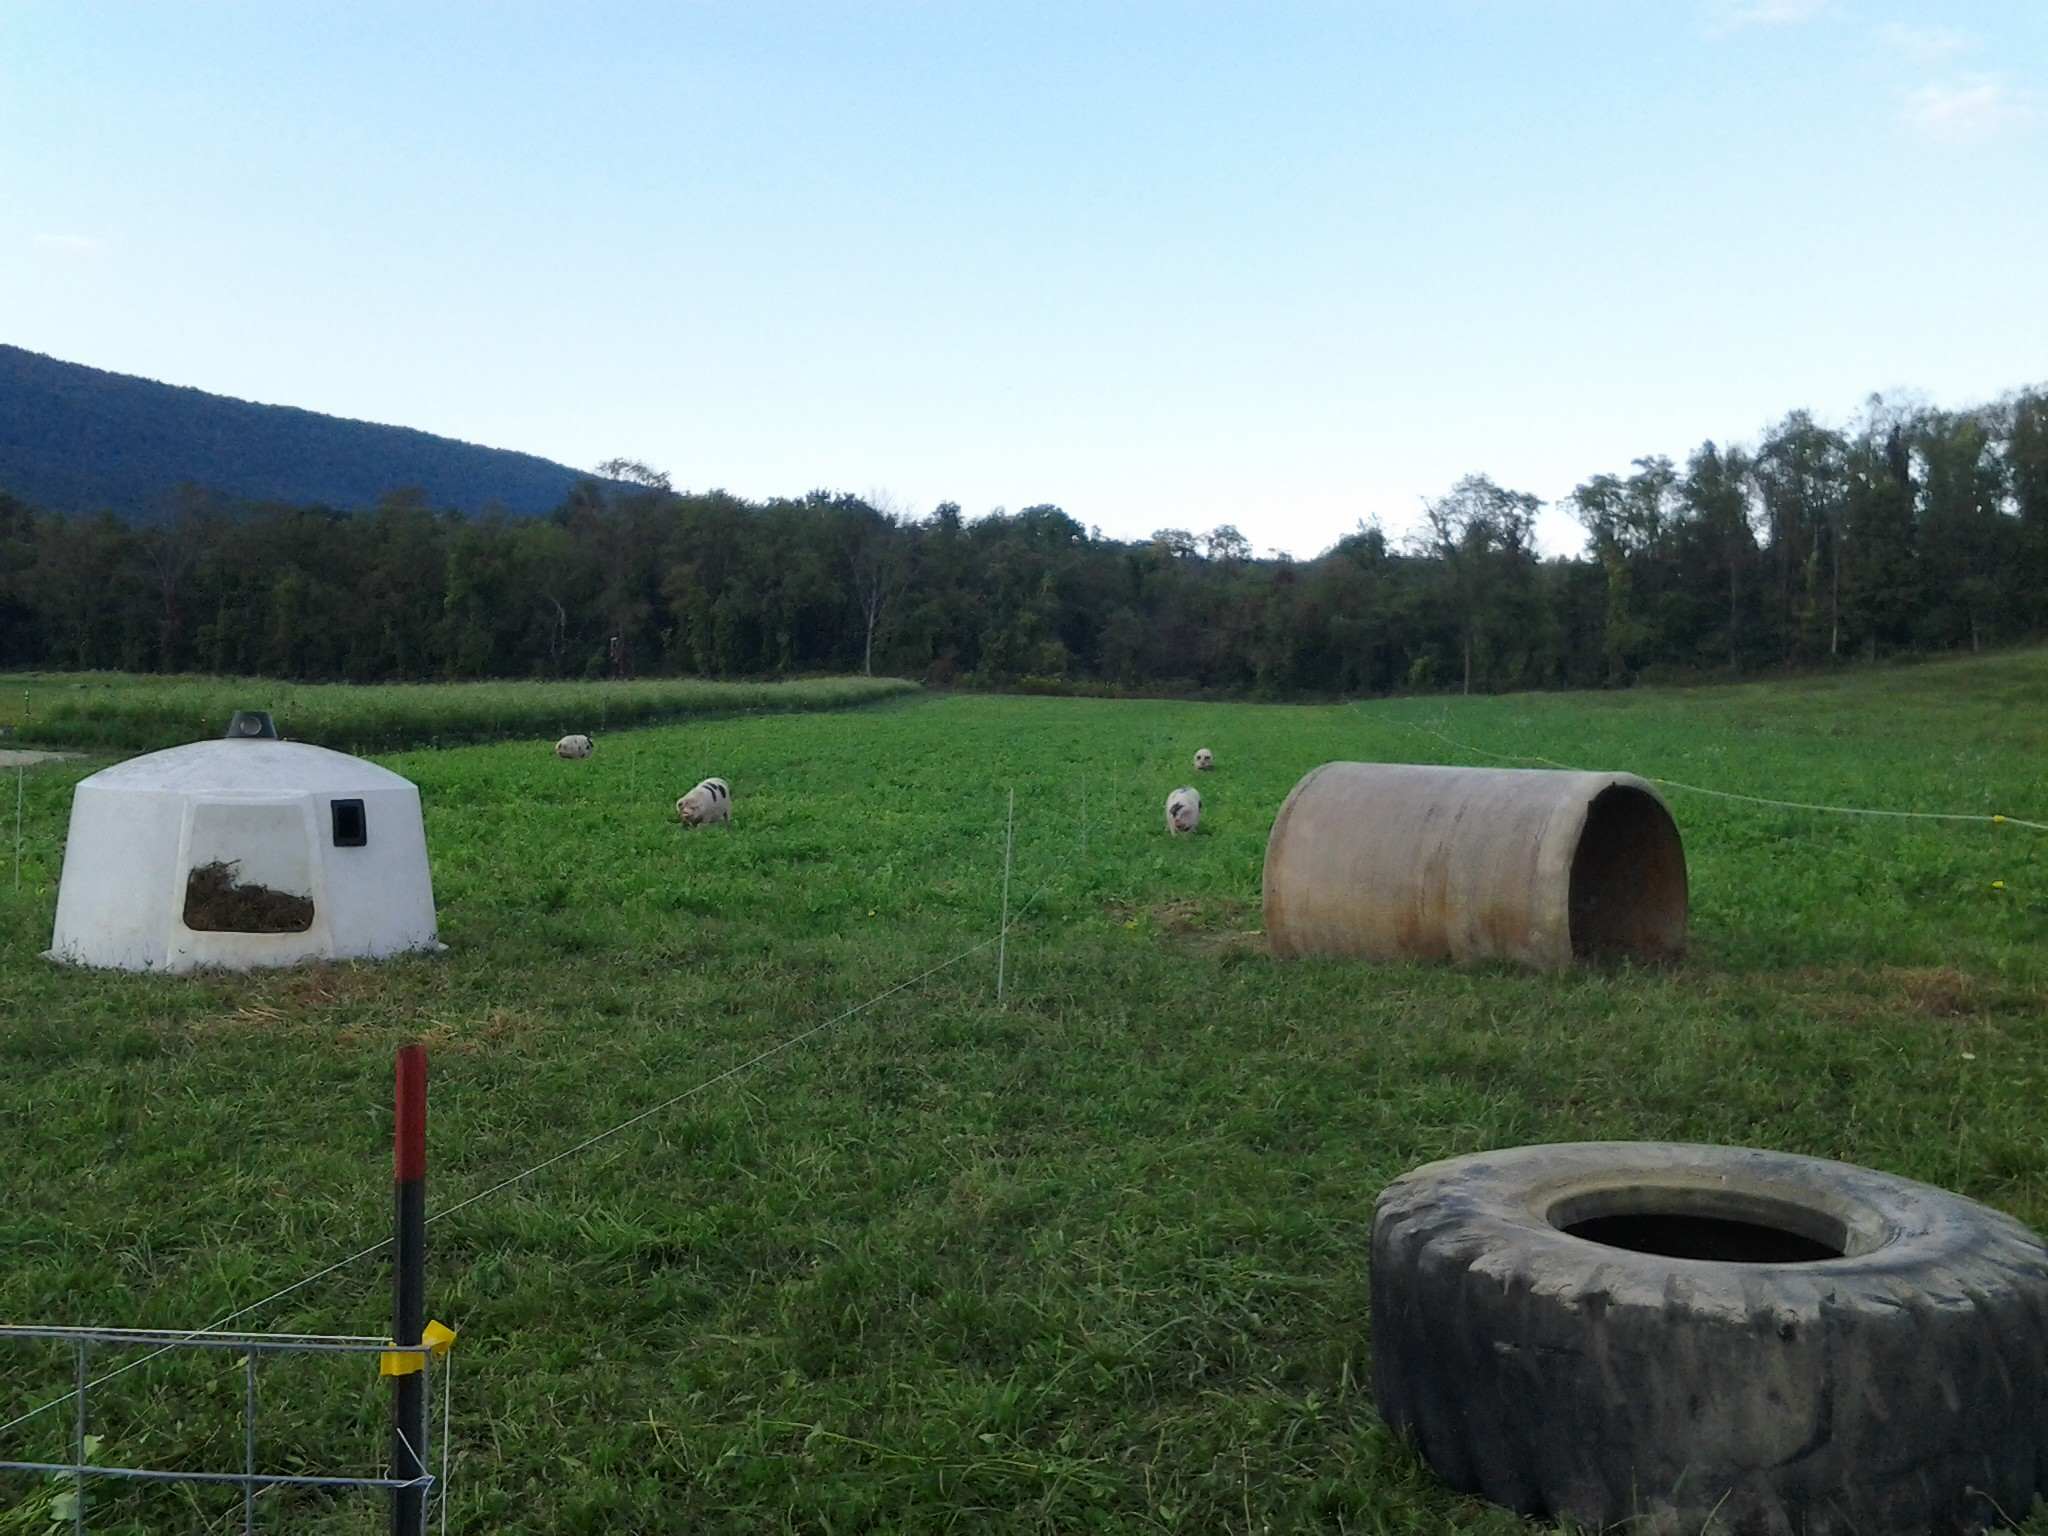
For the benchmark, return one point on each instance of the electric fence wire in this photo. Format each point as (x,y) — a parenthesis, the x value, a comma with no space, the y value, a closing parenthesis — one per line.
(548,1162)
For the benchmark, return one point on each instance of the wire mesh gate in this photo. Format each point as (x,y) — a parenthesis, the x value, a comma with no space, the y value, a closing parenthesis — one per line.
(85,1342)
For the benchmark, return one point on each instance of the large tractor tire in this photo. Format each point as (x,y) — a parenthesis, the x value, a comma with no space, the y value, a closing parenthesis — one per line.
(1710,1339)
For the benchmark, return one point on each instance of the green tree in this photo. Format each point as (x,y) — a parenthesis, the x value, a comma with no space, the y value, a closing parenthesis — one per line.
(1715,495)
(1480,533)
(1801,471)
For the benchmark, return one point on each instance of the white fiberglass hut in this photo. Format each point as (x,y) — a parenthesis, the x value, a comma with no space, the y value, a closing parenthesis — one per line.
(242,853)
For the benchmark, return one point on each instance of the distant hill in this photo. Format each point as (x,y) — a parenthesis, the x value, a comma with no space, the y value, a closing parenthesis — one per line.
(78,439)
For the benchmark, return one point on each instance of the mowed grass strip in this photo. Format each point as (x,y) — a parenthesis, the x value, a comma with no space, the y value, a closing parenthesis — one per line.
(1094,1261)
(128,712)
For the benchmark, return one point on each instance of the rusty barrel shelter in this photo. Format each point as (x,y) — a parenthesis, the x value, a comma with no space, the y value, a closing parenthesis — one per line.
(1401,861)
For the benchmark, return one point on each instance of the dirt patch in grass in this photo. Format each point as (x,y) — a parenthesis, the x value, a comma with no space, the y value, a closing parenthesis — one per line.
(331,986)
(500,1029)
(1238,941)
(301,1000)
(1940,991)
(216,903)
(1931,992)
(1207,925)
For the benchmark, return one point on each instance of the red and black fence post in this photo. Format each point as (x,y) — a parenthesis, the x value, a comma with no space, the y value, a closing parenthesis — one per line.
(409,1288)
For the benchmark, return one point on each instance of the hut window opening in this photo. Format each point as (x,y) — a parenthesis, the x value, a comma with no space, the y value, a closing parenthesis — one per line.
(351,825)
(249,868)
(217,902)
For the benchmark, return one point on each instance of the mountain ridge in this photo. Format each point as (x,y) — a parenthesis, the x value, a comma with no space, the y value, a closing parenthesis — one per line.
(79,439)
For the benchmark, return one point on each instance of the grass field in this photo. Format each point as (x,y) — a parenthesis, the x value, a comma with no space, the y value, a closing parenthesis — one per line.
(127,712)
(1091,1261)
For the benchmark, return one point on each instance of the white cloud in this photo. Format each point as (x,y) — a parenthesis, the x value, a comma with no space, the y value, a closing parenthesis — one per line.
(69,245)
(1966,110)
(1923,44)
(1725,16)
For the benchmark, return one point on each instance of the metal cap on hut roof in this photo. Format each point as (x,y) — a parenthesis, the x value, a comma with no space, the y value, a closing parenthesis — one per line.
(249,723)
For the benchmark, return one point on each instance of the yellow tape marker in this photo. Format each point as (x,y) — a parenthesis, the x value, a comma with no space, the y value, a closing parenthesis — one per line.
(435,1339)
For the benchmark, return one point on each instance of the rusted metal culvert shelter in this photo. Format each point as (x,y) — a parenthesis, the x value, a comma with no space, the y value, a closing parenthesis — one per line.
(1401,861)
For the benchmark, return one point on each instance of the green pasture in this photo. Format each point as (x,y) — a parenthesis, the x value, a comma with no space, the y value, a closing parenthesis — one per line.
(1094,1260)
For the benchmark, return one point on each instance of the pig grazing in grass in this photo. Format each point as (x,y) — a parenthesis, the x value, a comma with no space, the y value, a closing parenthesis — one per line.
(710,801)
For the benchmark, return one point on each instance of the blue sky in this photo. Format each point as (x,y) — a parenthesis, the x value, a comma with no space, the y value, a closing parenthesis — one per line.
(1282,265)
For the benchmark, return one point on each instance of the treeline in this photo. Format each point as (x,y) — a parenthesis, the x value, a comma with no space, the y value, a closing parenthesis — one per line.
(1915,530)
